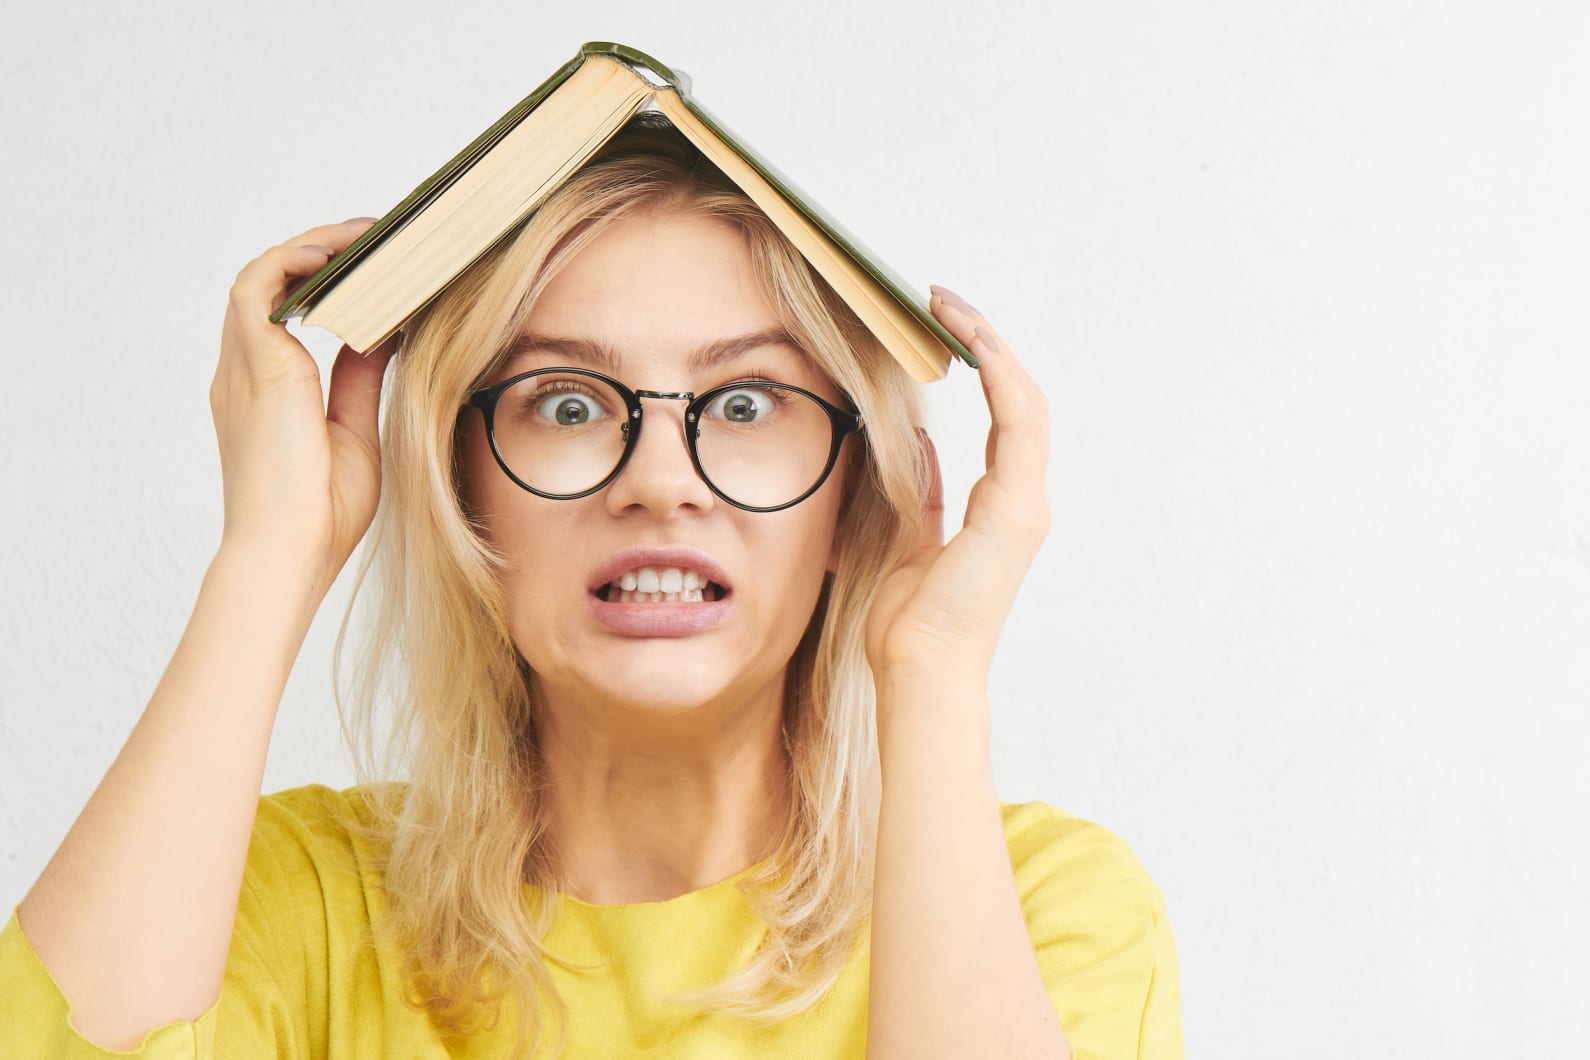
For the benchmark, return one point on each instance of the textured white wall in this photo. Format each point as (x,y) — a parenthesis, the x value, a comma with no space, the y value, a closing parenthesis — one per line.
(1305,284)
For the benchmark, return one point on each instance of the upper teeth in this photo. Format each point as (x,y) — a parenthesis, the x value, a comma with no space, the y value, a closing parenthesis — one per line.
(660,580)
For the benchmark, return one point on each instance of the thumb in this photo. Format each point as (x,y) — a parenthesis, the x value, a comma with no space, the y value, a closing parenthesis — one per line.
(354,397)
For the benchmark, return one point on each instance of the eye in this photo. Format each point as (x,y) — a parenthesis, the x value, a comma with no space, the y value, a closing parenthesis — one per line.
(569,409)
(742,406)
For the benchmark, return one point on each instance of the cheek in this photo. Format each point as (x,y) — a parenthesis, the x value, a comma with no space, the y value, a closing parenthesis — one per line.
(486,493)
(517,525)
(806,547)
(473,461)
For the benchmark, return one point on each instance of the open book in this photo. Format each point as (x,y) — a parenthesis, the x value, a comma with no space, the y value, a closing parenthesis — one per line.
(406,258)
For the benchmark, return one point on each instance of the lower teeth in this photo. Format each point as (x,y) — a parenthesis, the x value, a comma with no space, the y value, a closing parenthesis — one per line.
(635,596)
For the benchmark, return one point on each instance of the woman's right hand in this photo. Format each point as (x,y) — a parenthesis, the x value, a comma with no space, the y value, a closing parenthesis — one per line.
(300,480)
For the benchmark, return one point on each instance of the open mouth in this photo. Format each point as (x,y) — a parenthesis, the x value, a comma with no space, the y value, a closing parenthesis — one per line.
(659,585)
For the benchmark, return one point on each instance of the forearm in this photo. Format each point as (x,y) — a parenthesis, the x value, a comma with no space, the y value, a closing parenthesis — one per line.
(952,968)
(133,914)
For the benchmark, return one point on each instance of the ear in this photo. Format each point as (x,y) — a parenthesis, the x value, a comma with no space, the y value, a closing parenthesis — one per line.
(465,478)
(852,466)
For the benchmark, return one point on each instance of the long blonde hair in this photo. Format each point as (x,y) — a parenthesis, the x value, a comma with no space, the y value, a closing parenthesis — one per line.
(460,839)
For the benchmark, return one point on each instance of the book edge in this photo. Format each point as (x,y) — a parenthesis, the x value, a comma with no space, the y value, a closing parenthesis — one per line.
(304,296)
(871,262)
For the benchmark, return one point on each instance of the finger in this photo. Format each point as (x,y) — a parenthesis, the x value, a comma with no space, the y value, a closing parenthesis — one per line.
(326,233)
(334,238)
(1018,444)
(965,322)
(261,285)
(258,289)
(962,320)
(354,395)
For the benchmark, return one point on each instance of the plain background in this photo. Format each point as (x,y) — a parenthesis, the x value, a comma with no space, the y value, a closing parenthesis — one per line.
(1305,284)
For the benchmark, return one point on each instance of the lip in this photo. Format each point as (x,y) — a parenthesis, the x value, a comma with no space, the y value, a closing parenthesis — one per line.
(660,619)
(637,556)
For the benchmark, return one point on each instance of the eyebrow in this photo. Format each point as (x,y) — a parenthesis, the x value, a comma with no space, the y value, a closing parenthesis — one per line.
(598,354)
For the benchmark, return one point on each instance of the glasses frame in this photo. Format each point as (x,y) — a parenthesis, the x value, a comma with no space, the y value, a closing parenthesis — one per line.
(842,421)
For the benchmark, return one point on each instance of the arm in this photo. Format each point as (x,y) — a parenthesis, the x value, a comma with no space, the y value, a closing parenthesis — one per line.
(953,971)
(133,915)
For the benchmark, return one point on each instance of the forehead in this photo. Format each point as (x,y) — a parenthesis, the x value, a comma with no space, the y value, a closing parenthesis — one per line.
(673,276)
(654,300)
(596,352)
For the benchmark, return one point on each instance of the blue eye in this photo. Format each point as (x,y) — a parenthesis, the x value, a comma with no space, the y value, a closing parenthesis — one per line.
(741,406)
(570,409)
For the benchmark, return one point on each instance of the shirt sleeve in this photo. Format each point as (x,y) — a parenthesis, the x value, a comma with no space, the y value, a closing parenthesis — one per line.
(274,992)
(38,1020)
(1101,934)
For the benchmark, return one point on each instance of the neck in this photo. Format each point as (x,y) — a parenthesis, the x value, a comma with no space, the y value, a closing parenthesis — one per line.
(647,805)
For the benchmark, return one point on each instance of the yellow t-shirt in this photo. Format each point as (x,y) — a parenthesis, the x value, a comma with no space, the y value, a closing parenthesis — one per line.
(298,985)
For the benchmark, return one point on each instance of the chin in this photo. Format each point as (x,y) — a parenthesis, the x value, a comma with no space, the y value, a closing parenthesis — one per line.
(655,699)
(660,675)
(676,702)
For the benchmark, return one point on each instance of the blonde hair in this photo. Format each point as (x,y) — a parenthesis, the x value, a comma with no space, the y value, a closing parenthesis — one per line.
(460,839)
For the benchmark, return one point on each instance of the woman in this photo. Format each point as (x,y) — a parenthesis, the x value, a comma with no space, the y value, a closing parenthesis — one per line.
(694,720)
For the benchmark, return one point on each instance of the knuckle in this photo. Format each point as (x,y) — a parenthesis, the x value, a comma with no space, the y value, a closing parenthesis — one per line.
(1030,522)
(251,274)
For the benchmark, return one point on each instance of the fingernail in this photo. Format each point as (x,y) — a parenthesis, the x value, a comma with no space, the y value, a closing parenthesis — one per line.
(989,349)
(356,220)
(317,246)
(953,299)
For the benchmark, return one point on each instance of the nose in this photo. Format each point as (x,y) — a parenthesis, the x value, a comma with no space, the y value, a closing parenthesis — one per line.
(659,475)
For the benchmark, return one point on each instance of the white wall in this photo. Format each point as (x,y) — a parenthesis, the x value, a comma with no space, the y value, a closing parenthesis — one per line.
(1305,284)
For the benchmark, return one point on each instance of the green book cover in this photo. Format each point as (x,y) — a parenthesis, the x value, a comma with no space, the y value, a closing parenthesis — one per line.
(660,76)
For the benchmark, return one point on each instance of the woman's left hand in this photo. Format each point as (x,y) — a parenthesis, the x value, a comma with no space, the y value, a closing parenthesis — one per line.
(939,614)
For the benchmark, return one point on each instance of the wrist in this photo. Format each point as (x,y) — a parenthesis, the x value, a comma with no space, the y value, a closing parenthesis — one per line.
(939,697)
(272,568)
(254,608)
(929,679)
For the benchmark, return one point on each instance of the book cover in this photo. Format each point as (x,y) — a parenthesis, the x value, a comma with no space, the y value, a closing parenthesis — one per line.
(663,78)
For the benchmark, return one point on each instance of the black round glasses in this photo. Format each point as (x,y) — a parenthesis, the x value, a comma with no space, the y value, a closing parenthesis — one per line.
(564,433)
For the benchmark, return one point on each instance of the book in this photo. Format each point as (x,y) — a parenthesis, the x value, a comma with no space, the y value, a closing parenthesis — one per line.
(399,264)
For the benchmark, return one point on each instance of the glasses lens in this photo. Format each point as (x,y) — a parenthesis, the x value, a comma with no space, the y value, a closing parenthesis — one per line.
(764,445)
(561,432)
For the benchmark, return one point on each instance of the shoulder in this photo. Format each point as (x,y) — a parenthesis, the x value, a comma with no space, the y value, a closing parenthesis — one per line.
(314,842)
(1050,847)
(1100,931)
(318,817)
(318,810)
